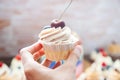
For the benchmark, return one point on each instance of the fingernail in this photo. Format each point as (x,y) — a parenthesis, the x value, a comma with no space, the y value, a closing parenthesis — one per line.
(78,43)
(39,42)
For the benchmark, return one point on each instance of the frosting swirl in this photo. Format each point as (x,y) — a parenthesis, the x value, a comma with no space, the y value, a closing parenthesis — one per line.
(57,35)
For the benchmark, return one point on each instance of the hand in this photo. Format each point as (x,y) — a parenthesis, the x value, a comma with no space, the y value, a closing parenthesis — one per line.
(35,71)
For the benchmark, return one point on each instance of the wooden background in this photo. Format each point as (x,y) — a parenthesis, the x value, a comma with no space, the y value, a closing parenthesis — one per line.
(96,21)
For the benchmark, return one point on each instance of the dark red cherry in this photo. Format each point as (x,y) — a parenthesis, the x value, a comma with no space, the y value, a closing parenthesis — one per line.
(57,23)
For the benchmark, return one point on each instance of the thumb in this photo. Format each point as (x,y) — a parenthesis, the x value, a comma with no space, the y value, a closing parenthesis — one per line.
(74,56)
(26,56)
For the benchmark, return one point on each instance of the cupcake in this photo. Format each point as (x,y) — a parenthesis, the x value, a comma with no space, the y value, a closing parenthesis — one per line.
(100,52)
(4,71)
(17,71)
(58,41)
(94,74)
(114,48)
(108,60)
(113,75)
(82,77)
(16,63)
(94,55)
(116,65)
(114,72)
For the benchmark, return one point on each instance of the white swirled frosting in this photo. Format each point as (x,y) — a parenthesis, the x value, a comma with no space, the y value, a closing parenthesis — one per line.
(57,35)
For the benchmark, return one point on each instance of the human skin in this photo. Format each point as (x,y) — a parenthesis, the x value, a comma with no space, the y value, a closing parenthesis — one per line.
(36,71)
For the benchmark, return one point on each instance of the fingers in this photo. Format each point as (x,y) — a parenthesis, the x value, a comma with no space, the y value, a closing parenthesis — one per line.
(79,70)
(57,65)
(38,54)
(51,64)
(74,56)
(30,64)
(46,62)
(26,53)
(78,43)
(26,57)
(34,48)
(70,63)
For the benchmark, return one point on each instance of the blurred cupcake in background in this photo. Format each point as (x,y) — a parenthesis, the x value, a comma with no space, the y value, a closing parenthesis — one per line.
(92,73)
(17,70)
(4,71)
(16,63)
(99,52)
(114,49)
(116,65)
(113,75)
(99,56)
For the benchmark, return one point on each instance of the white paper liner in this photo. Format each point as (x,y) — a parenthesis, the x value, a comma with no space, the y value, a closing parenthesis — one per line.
(57,52)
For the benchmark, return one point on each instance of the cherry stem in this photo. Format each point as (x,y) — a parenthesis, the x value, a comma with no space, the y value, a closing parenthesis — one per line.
(65,10)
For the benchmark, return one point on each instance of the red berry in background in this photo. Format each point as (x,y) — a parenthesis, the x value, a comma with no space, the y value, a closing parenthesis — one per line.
(101,49)
(1,64)
(57,23)
(104,64)
(18,57)
(103,52)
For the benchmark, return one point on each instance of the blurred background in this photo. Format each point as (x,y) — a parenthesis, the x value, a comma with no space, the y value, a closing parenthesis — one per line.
(96,21)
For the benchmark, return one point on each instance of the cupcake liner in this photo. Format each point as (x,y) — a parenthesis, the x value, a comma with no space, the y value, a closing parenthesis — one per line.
(57,52)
